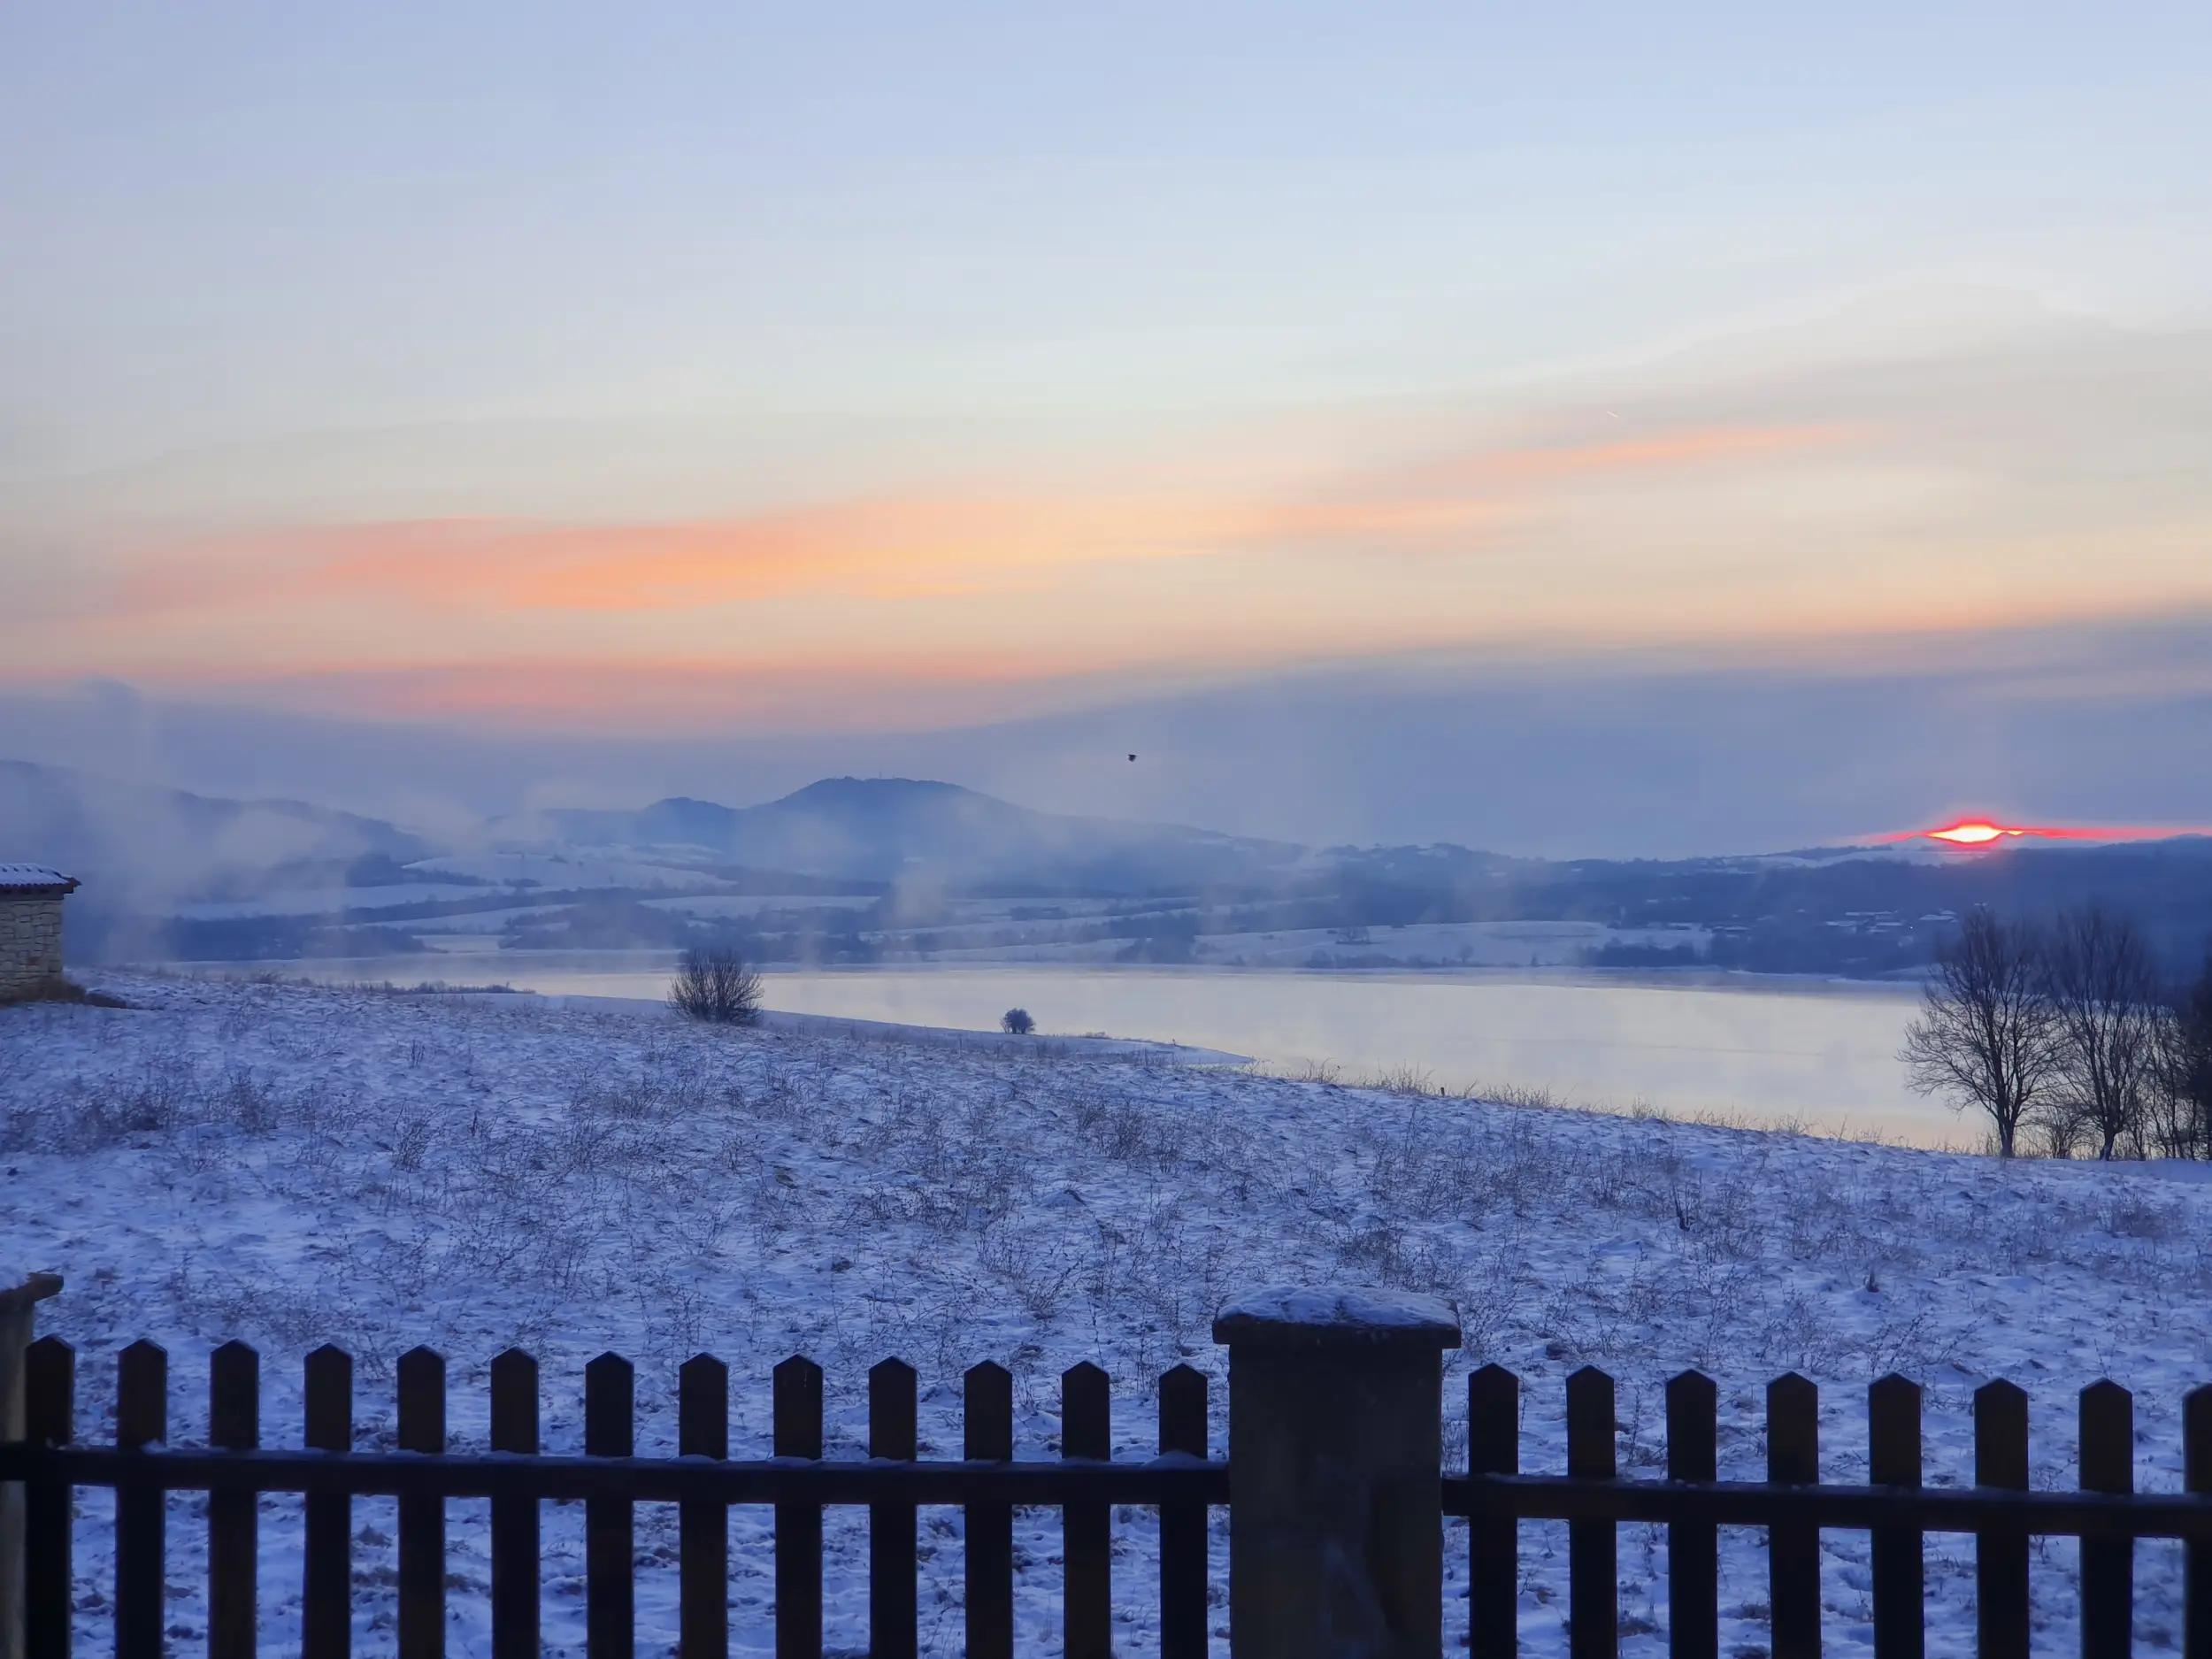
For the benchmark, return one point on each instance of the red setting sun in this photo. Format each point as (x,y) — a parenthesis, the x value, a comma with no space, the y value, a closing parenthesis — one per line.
(1974,833)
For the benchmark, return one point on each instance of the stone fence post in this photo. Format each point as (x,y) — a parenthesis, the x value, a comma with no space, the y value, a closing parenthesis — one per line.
(1335,1460)
(16,1303)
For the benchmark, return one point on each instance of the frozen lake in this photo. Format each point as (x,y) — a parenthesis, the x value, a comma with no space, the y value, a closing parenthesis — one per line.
(1757,1051)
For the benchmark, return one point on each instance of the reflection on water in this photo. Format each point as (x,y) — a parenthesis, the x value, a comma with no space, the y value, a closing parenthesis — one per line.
(1754,1050)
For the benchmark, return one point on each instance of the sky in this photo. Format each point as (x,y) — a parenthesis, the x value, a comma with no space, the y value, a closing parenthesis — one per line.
(1411,422)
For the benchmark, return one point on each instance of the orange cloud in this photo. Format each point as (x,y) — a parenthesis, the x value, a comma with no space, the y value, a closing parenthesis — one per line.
(890,546)
(1534,465)
(880,549)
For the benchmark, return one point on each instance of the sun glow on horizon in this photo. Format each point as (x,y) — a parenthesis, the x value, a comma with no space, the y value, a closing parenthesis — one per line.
(1974,833)
(1980,834)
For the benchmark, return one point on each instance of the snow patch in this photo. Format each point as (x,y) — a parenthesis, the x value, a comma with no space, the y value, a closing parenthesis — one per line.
(1304,1315)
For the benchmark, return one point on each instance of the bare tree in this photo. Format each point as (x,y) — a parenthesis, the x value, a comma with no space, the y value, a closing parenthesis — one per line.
(2181,1106)
(1016,1022)
(1986,1034)
(2105,995)
(718,984)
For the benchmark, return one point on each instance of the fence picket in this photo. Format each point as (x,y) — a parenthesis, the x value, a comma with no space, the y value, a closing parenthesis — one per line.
(141,1420)
(893,1630)
(421,1519)
(1594,1618)
(1793,1548)
(988,1432)
(234,1421)
(50,1413)
(1183,1525)
(702,1544)
(610,1522)
(2001,1557)
(1087,1602)
(798,1434)
(1893,1508)
(2196,1461)
(1493,1565)
(1692,1547)
(326,1578)
(2108,1565)
(1892,1409)
(514,1383)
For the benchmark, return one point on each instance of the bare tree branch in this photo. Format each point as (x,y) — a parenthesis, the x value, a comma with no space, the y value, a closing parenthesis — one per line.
(1987,1033)
(2105,993)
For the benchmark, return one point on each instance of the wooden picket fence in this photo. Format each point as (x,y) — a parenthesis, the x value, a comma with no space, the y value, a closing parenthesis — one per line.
(988,1483)
(1793,1506)
(1083,1483)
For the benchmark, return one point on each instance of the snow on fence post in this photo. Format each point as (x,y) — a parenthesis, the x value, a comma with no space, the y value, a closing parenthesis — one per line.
(1335,1436)
(18,1305)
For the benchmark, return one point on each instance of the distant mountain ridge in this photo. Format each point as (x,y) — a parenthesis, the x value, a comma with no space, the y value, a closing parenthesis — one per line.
(885,829)
(906,854)
(147,841)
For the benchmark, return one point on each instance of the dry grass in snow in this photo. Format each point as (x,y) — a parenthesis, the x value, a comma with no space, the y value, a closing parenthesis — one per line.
(293,1166)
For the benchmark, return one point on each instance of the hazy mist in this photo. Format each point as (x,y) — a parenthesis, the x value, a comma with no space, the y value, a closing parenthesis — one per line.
(1627,757)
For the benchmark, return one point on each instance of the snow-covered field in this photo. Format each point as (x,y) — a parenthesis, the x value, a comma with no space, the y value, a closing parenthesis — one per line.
(582,868)
(294,1164)
(932,928)
(1442,944)
(716,907)
(321,901)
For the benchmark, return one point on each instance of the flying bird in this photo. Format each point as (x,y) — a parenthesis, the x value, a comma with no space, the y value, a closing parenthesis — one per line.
(1132,758)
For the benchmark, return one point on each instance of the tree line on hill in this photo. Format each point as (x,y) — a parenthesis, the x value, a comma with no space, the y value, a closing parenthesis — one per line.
(2069,1036)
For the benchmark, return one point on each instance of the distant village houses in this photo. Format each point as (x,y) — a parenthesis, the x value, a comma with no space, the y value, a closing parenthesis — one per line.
(31,897)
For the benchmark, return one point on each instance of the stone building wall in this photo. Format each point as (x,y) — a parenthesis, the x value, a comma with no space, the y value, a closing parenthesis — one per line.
(30,944)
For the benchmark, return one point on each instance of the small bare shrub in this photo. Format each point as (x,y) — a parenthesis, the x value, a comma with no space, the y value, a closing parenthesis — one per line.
(248,1104)
(411,1143)
(716,984)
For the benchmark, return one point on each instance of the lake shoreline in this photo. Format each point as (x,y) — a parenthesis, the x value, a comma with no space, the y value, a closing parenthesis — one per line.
(1757,1051)
(404,969)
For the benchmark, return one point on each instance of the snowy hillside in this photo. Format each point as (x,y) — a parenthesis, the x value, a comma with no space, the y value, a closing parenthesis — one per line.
(885,829)
(295,1165)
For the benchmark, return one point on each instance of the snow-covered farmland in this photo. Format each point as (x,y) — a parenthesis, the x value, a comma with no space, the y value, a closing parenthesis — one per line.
(1534,944)
(323,901)
(294,1164)
(566,869)
(728,906)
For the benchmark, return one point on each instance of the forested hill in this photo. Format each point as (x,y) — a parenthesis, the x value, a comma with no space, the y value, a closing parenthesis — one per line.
(1849,911)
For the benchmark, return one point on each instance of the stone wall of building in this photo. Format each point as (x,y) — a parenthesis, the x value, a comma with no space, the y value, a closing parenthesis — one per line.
(30,945)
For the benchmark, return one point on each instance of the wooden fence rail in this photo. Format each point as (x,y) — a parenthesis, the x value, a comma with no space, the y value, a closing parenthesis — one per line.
(1793,1506)
(987,1483)
(1334,1510)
